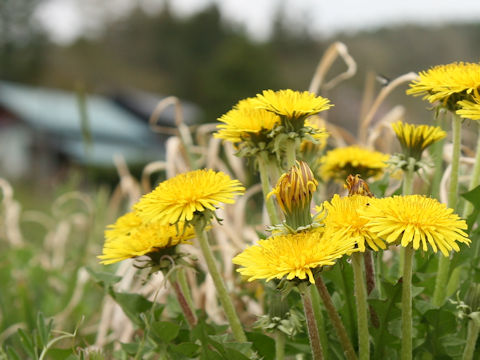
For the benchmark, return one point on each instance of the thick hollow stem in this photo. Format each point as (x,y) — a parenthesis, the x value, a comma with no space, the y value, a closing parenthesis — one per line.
(279,345)
(315,344)
(370,278)
(291,153)
(472,336)
(262,160)
(407,305)
(317,310)
(335,319)
(444,263)
(182,281)
(225,300)
(361,301)
(187,311)
(438,161)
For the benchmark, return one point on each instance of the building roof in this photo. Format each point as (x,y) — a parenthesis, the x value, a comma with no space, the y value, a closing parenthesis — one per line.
(57,114)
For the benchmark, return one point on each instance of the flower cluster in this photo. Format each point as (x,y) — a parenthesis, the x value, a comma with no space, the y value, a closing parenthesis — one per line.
(162,218)
(266,122)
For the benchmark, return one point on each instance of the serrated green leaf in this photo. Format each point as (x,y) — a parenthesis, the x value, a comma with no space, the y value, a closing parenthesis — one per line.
(132,305)
(166,331)
(187,349)
(387,311)
(263,344)
(104,279)
(443,322)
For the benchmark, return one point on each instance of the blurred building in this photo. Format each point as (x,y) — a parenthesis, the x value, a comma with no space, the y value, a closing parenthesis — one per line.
(43,131)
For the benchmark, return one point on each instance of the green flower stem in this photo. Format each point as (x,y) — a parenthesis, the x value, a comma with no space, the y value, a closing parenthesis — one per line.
(182,281)
(407,305)
(473,329)
(263,162)
(437,150)
(335,319)
(407,190)
(182,301)
(370,279)
(291,153)
(475,179)
(444,262)
(313,335)
(279,345)
(317,310)
(361,300)
(225,300)
(379,263)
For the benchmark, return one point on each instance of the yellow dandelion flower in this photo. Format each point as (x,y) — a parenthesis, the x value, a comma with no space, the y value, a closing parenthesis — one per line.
(183,196)
(291,256)
(129,237)
(343,221)
(292,104)
(339,163)
(245,121)
(469,109)
(443,81)
(415,220)
(416,138)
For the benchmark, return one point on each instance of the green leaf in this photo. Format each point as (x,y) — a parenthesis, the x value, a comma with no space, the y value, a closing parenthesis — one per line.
(43,329)
(132,305)
(208,354)
(187,349)
(440,325)
(27,344)
(263,344)
(59,354)
(387,311)
(379,187)
(12,354)
(166,331)
(104,279)
(473,196)
(130,348)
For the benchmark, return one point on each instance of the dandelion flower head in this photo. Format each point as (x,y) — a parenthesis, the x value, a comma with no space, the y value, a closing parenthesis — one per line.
(130,237)
(469,109)
(441,82)
(292,104)
(291,256)
(339,163)
(178,199)
(416,138)
(245,121)
(343,221)
(416,220)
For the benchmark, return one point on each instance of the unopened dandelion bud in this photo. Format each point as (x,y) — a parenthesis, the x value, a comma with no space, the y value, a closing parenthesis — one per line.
(294,192)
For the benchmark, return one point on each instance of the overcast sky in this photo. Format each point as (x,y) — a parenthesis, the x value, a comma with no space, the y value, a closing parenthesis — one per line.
(66,19)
